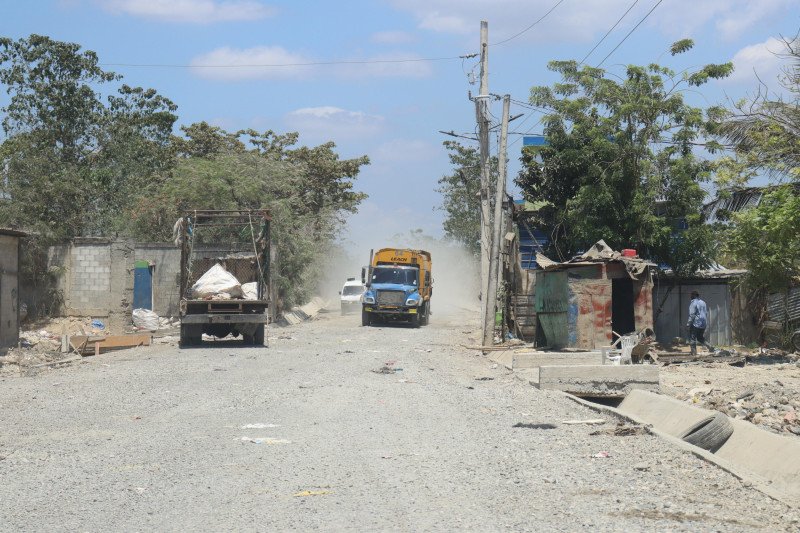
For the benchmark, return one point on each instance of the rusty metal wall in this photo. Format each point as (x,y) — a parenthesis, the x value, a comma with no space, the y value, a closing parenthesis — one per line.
(671,322)
(9,291)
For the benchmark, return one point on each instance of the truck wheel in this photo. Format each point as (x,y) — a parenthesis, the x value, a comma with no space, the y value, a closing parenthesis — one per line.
(427,316)
(191,335)
(257,339)
(366,319)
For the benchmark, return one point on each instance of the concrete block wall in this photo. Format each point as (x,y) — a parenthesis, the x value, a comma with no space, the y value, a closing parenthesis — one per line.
(90,278)
(96,278)
(9,291)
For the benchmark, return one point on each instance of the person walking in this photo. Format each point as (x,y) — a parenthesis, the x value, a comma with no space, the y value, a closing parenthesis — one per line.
(698,321)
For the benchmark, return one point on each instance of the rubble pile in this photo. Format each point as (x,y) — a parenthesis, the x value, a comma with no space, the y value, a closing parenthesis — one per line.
(772,402)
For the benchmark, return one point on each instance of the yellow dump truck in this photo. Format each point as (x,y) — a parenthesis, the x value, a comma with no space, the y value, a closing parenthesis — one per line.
(399,284)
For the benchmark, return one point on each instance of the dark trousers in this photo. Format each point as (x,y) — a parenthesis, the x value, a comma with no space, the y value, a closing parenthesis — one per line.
(698,335)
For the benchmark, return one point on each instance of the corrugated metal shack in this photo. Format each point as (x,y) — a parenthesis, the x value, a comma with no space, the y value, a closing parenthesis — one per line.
(730,319)
(585,302)
(9,287)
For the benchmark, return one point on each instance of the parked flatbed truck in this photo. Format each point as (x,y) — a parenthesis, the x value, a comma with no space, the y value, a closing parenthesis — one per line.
(239,240)
(399,285)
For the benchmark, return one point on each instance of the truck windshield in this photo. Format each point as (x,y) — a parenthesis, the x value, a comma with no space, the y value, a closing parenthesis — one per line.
(401,276)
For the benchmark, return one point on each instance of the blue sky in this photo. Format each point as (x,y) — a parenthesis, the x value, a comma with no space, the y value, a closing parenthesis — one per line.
(392,111)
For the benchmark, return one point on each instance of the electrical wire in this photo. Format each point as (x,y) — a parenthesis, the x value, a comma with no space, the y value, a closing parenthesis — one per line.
(608,32)
(630,32)
(531,26)
(277,65)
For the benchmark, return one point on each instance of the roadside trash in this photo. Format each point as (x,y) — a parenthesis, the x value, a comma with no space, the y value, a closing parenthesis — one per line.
(591,421)
(304,493)
(215,282)
(98,324)
(642,467)
(265,440)
(621,430)
(385,370)
(145,319)
(485,378)
(259,426)
(528,425)
(602,455)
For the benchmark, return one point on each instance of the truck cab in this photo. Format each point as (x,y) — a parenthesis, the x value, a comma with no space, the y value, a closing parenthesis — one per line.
(398,286)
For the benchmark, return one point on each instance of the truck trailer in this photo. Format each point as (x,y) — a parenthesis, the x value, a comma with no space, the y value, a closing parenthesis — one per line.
(239,241)
(399,285)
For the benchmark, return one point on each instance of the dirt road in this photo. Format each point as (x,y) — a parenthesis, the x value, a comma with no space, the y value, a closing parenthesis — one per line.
(305,435)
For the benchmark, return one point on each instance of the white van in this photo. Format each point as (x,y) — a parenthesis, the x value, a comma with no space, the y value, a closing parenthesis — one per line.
(351,296)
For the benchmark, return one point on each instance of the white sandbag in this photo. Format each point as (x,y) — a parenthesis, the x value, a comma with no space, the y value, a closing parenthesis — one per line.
(250,290)
(145,319)
(215,281)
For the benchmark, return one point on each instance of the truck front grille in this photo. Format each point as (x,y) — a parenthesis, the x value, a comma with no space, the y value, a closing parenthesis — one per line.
(391,297)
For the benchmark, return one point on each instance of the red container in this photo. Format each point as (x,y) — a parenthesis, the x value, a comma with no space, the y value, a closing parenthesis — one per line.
(628,252)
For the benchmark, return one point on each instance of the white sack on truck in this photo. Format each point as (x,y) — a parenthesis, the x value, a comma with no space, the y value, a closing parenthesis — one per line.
(215,282)
(250,290)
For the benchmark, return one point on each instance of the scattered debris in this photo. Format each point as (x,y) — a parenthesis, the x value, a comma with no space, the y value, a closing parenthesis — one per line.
(265,440)
(591,421)
(621,430)
(385,370)
(259,426)
(485,378)
(602,455)
(528,425)
(304,493)
(88,345)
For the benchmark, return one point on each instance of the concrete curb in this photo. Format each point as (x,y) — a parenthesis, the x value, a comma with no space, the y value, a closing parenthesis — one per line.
(758,482)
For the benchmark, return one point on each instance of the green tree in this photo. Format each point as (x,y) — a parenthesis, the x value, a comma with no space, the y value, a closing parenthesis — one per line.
(460,190)
(763,134)
(620,163)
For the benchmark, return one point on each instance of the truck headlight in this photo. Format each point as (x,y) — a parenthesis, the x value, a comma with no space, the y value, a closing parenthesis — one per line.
(368,299)
(413,300)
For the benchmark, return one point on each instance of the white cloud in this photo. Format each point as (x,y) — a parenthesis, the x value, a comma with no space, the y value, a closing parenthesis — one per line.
(275,62)
(261,62)
(325,123)
(760,60)
(392,37)
(586,20)
(196,11)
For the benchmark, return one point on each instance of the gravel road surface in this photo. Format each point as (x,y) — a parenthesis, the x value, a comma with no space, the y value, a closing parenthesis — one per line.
(308,435)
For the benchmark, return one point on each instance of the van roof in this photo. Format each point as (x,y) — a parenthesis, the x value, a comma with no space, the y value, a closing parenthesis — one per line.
(352,281)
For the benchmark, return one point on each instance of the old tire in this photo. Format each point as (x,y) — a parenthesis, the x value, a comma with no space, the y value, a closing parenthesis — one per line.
(366,319)
(710,433)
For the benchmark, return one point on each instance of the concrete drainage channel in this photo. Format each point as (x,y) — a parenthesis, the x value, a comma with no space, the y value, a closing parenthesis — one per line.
(769,461)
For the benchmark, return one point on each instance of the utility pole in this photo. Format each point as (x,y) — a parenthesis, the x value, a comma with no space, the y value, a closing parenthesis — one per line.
(494,257)
(495,264)
(482,117)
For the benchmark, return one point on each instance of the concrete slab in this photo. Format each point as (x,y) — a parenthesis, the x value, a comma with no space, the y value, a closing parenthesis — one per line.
(599,380)
(540,359)
(519,359)
(750,449)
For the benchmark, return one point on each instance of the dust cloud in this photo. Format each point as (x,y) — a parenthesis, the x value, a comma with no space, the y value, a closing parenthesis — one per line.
(455,271)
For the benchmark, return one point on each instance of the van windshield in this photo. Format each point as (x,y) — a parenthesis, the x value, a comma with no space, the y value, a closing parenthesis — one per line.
(401,276)
(351,290)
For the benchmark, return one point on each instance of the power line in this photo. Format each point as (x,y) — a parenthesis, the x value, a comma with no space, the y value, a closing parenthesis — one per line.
(608,32)
(531,26)
(277,65)
(630,32)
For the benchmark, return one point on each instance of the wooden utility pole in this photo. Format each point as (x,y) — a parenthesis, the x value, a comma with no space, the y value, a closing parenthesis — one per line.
(482,117)
(495,263)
